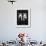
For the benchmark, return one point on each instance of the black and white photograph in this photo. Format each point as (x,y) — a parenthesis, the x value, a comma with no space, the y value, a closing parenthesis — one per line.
(23,18)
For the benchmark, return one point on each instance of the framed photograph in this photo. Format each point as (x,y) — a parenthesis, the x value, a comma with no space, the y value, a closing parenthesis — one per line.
(23,18)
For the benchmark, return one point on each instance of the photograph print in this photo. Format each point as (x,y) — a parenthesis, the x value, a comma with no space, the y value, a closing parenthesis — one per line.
(23,18)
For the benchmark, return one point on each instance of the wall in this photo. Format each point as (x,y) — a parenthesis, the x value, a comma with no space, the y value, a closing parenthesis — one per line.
(8,28)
